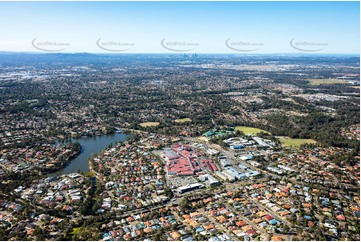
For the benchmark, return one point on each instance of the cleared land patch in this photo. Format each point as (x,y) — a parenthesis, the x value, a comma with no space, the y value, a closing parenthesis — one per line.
(317,82)
(250,130)
(149,124)
(183,120)
(286,141)
(203,139)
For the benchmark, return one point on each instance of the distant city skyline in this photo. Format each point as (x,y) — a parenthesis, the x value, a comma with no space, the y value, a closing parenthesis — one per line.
(181,27)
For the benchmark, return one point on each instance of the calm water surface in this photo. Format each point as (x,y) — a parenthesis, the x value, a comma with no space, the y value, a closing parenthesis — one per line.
(90,145)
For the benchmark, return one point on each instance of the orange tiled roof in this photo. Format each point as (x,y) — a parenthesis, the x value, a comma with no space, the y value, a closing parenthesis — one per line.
(148,230)
(247,227)
(283,213)
(286,206)
(192,222)
(221,219)
(240,223)
(269,195)
(208,226)
(355,208)
(194,214)
(175,235)
(310,224)
(277,238)
(307,205)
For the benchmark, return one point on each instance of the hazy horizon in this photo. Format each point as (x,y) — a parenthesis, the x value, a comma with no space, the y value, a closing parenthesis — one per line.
(181,27)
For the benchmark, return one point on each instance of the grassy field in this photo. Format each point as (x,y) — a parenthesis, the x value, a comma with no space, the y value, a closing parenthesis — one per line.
(286,141)
(183,120)
(250,130)
(149,124)
(89,174)
(75,230)
(317,82)
(203,139)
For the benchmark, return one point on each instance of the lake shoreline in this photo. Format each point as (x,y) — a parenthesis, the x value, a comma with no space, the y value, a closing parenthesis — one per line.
(64,163)
(89,146)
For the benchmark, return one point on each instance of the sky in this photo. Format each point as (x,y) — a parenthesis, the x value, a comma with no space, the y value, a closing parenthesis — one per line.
(181,27)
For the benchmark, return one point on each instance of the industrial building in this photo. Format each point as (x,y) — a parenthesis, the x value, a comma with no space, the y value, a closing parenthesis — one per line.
(191,187)
(209,180)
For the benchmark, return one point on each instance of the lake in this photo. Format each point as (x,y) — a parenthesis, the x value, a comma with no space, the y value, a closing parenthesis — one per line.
(90,145)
